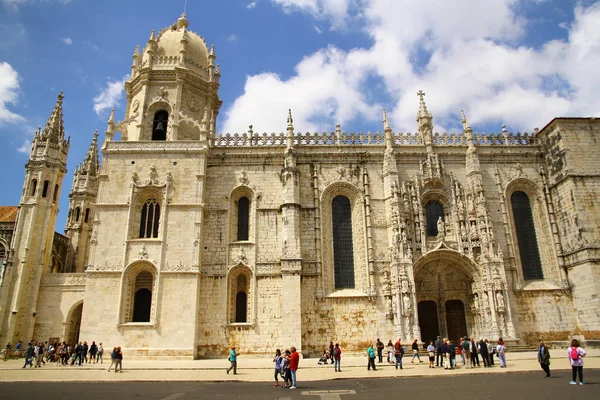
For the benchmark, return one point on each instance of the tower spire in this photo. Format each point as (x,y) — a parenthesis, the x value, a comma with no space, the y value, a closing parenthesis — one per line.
(54,129)
(90,164)
(424,119)
(467,129)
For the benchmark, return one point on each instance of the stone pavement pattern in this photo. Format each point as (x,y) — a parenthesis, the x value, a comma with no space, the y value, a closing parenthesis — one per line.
(261,369)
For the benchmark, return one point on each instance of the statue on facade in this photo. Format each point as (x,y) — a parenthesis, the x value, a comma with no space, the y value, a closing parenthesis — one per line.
(499,299)
(406,306)
(441,226)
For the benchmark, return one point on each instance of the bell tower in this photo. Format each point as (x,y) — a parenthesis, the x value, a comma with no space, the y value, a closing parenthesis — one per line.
(174,82)
(81,208)
(34,231)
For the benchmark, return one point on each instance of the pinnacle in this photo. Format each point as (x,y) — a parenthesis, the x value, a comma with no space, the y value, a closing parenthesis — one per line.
(54,128)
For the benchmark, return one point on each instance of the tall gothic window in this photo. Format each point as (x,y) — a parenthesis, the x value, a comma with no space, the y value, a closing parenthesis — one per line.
(241,299)
(2,254)
(526,237)
(243,215)
(434,210)
(87,215)
(142,300)
(343,254)
(149,219)
(45,189)
(159,125)
(33,187)
(77,214)
(55,196)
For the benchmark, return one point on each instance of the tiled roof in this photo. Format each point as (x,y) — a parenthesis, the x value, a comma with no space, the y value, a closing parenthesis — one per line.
(8,213)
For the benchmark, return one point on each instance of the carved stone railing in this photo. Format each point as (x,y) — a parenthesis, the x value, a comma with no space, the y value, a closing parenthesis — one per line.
(369,138)
(64,280)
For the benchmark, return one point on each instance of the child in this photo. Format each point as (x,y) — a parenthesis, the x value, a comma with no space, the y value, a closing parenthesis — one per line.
(576,354)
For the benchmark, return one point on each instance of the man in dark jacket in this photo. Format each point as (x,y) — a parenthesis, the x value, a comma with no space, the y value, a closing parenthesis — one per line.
(474,353)
(484,353)
(380,347)
(439,360)
(29,355)
(544,358)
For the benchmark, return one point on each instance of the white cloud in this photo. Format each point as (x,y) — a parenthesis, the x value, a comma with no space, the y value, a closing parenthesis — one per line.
(25,148)
(9,93)
(232,38)
(318,30)
(110,96)
(14,4)
(463,54)
(67,41)
(251,5)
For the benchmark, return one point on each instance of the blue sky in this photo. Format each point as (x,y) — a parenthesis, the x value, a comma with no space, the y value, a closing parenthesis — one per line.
(517,62)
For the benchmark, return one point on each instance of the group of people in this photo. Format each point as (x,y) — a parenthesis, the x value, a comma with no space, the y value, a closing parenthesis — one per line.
(575,355)
(286,367)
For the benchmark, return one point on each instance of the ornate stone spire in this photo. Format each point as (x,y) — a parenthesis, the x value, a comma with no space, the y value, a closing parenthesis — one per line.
(424,120)
(467,129)
(91,163)
(389,140)
(54,129)
(290,129)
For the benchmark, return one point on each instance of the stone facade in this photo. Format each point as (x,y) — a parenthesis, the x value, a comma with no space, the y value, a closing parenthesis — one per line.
(184,242)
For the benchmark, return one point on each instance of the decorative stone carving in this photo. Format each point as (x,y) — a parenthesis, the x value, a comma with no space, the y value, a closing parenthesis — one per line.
(143,254)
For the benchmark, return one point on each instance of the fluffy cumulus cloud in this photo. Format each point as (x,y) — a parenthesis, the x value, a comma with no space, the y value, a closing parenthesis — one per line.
(251,5)
(463,54)
(110,96)
(9,93)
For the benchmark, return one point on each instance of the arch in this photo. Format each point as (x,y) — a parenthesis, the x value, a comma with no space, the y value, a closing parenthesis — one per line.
(159,125)
(77,214)
(33,187)
(139,293)
(149,219)
(147,213)
(73,323)
(541,226)
(3,252)
(87,215)
(240,294)
(356,217)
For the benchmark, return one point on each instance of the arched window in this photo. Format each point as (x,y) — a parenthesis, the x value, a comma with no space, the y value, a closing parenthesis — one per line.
(55,196)
(33,187)
(142,300)
(241,299)
(2,254)
(45,190)
(77,214)
(87,215)
(434,210)
(159,126)
(526,237)
(243,218)
(149,219)
(343,253)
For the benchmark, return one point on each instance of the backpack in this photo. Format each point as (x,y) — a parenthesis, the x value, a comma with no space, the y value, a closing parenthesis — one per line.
(574,353)
(336,352)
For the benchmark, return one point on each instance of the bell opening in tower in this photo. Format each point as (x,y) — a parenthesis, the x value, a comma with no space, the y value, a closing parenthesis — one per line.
(159,127)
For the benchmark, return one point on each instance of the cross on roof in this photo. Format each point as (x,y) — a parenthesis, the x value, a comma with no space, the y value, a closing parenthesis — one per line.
(421,94)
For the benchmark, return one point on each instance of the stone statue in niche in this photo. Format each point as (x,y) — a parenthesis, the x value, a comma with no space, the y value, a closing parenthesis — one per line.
(406,306)
(463,231)
(409,253)
(441,227)
(499,299)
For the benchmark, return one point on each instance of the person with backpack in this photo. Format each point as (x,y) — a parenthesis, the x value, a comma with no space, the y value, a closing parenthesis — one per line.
(337,357)
(576,354)
(544,358)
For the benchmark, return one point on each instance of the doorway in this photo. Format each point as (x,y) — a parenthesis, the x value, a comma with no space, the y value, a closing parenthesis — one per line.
(455,320)
(428,321)
(73,324)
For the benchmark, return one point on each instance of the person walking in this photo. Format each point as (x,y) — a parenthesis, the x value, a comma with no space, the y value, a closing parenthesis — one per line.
(501,353)
(285,369)
(466,351)
(415,350)
(337,358)
(294,361)
(29,355)
(431,354)
(380,347)
(544,358)
(371,358)
(576,354)
(233,361)
(119,360)
(277,361)
(398,353)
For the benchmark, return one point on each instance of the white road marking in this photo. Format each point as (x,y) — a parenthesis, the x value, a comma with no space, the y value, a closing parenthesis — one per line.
(173,396)
(328,394)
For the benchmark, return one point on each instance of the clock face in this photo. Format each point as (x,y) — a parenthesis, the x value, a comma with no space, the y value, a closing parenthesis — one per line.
(193,104)
(135,105)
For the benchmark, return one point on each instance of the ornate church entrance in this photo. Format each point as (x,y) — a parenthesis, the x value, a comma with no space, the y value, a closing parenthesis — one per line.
(443,285)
